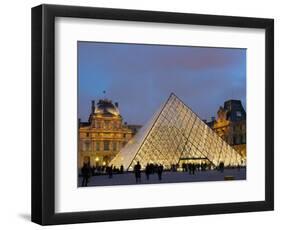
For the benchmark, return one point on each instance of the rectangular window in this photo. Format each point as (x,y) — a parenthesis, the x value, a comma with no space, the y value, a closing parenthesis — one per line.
(97,146)
(86,146)
(236,128)
(243,139)
(106,145)
(114,146)
(106,124)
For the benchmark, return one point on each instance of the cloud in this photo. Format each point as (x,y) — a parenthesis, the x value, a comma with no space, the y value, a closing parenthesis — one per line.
(141,77)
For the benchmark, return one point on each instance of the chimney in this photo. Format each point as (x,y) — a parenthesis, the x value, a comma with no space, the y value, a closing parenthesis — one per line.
(93,106)
(116,104)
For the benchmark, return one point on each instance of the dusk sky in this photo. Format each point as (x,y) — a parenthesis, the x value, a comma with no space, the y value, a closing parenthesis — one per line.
(141,77)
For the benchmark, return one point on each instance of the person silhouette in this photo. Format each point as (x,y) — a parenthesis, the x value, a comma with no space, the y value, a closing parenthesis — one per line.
(147,171)
(137,170)
(193,168)
(86,171)
(159,171)
(221,166)
(110,172)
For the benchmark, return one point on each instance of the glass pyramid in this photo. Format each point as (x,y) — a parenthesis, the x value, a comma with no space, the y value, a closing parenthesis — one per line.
(173,134)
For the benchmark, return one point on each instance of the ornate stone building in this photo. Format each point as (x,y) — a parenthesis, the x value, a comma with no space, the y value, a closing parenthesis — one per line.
(101,138)
(230,125)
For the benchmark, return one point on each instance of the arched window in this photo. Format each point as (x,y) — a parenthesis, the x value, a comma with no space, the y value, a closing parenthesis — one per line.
(86,160)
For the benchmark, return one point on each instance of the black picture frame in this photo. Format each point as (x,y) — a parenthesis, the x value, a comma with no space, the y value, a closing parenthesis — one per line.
(43,114)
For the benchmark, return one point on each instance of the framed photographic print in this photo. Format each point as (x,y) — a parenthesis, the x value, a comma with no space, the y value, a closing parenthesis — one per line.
(142,114)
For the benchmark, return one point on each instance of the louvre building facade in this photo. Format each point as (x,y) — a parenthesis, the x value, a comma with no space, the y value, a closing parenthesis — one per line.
(174,135)
(105,133)
(230,125)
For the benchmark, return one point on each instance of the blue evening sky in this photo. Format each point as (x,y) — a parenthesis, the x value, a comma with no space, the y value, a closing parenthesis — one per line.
(141,77)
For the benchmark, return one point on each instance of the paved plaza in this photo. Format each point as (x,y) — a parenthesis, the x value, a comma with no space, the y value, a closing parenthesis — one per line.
(128,178)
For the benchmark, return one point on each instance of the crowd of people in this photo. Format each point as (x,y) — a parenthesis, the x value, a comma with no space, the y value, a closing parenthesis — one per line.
(152,169)
(87,171)
(191,167)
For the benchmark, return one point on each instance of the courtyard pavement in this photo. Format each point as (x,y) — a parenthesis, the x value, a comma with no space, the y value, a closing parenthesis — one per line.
(128,178)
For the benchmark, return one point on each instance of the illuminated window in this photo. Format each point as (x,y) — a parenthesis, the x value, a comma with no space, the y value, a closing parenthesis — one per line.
(86,160)
(106,124)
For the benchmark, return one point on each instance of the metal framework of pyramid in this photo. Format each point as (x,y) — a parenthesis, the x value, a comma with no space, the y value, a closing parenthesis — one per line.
(174,133)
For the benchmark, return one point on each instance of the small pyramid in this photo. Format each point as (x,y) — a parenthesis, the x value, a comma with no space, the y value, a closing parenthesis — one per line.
(175,133)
